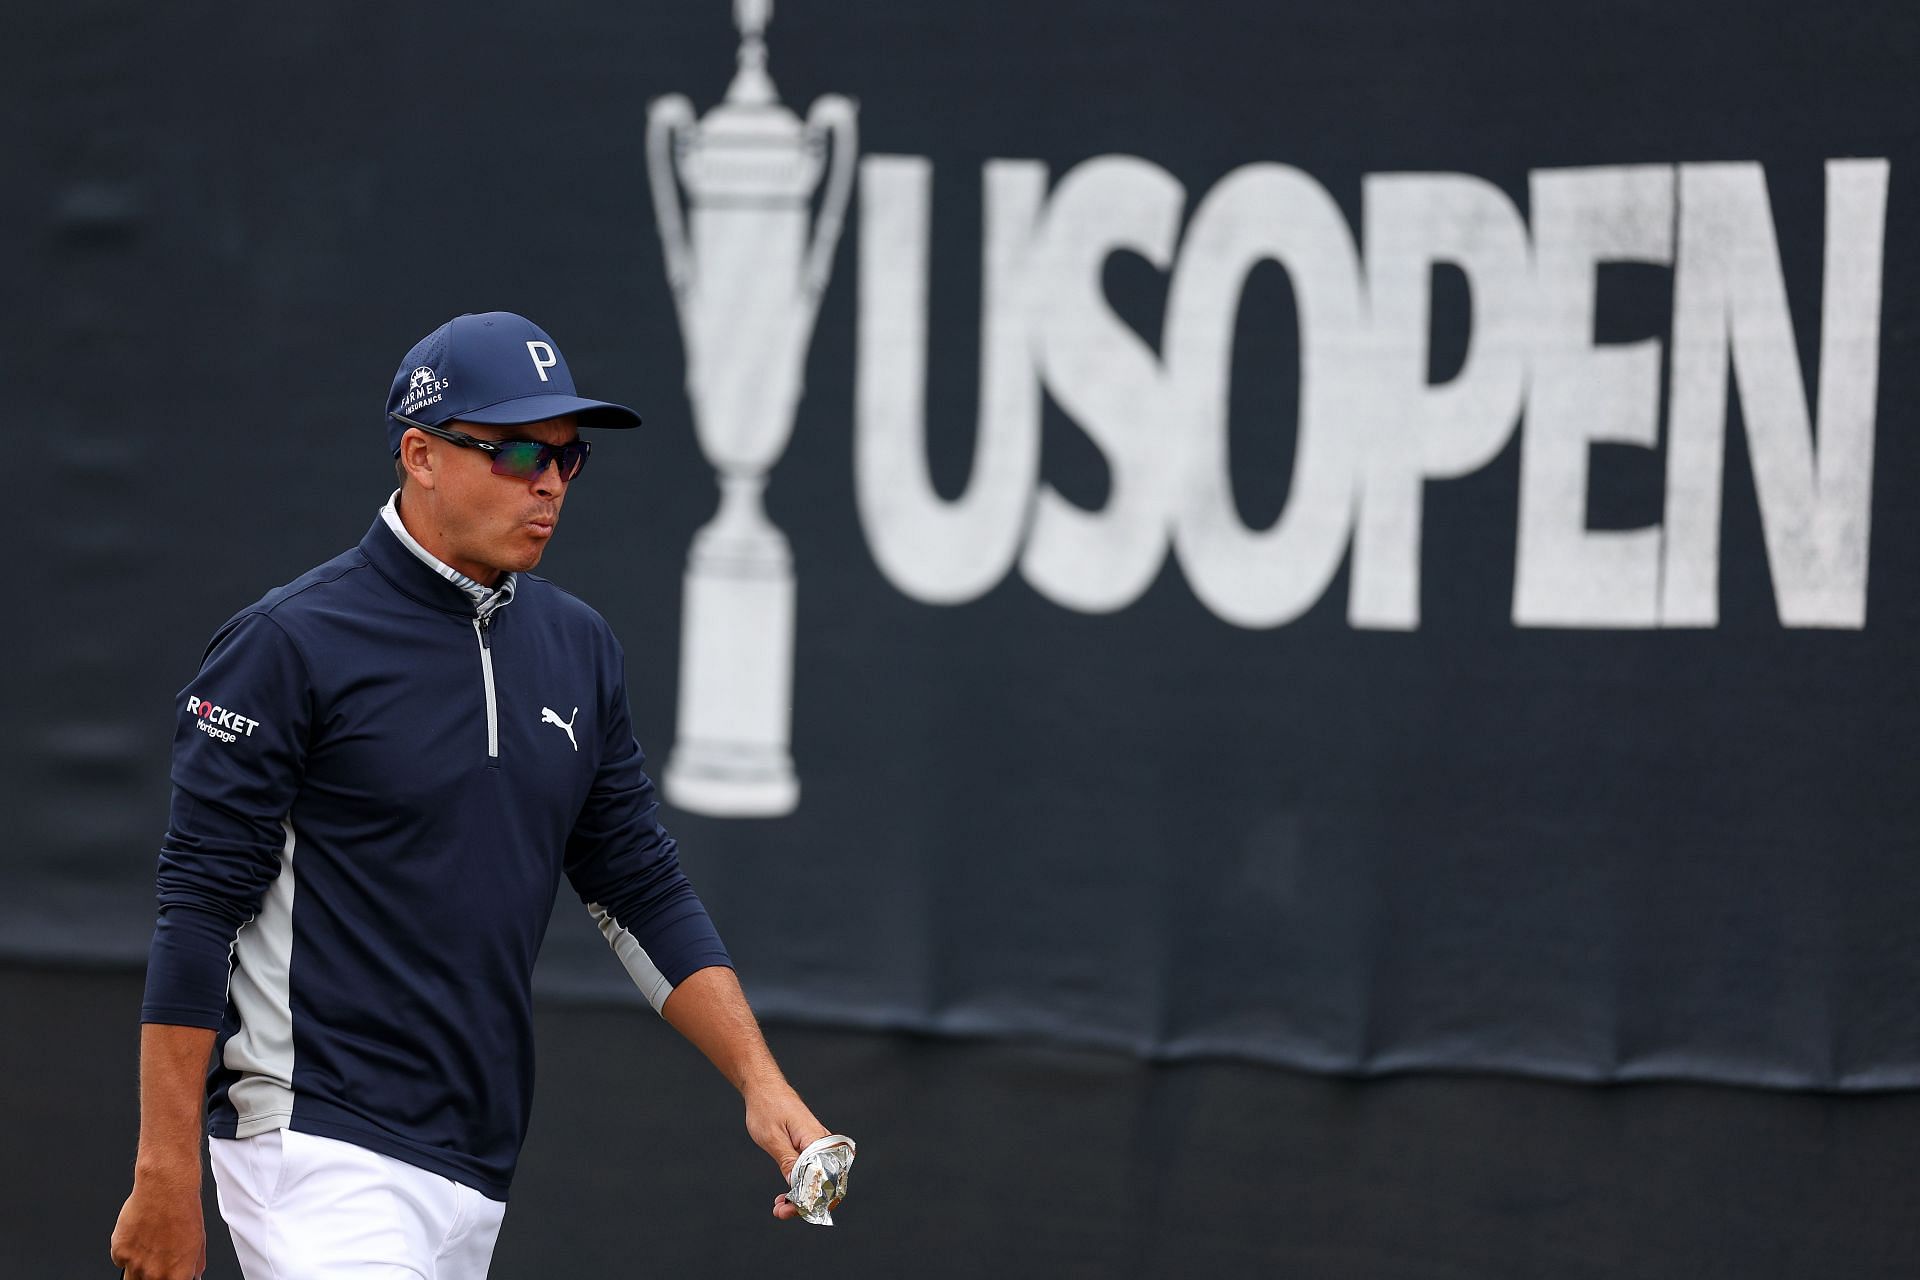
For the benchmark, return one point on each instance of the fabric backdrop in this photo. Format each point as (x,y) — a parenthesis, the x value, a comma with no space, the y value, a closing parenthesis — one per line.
(1364,536)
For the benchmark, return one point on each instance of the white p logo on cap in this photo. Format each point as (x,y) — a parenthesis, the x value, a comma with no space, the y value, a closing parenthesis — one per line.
(543,358)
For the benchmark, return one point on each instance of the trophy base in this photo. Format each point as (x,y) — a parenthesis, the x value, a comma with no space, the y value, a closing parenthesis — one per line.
(731,780)
(732,758)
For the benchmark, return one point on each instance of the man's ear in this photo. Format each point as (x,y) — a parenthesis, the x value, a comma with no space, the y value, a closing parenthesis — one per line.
(416,455)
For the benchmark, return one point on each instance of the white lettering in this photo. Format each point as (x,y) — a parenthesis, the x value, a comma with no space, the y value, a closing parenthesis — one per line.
(1262,578)
(542,356)
(1423,431)
(1108,381)
(940,551)
(1730,307)
(214,720)
(1565,574)
(1370,429)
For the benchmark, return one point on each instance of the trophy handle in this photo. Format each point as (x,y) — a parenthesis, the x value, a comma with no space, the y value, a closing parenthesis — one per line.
(664,116)
(835,114)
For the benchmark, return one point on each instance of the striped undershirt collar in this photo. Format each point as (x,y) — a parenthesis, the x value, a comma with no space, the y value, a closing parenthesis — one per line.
(485,599)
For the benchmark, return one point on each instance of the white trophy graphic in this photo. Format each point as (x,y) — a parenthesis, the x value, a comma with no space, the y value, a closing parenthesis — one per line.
(746,283)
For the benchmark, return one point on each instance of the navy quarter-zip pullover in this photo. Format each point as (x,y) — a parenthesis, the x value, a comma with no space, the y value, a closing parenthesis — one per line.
(376,790)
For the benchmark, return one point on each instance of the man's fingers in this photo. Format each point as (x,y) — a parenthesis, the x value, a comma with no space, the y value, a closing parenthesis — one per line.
(780,1147)
(788,1159)
(783,1208)
(801,1144)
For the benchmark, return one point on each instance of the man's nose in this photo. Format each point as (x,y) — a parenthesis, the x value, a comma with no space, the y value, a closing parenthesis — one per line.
(548,483)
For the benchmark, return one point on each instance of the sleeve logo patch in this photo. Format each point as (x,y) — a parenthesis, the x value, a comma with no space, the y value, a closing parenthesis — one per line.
(222,724)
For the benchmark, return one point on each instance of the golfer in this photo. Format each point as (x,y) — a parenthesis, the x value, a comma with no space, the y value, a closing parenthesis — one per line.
(381,773)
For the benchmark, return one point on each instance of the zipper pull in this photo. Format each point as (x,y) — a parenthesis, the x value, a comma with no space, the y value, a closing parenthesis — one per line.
(482,625)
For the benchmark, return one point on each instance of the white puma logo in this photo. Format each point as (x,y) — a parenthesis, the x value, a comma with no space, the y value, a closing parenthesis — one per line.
(549,716)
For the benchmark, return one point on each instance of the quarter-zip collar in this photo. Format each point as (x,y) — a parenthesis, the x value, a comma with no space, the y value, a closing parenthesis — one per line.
(420,574)
(485,599)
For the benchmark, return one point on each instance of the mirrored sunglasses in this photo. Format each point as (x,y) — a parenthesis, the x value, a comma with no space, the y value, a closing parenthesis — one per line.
(520,459)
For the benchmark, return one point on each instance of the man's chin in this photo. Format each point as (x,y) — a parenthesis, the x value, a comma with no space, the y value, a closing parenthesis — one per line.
(526,552)
(525,562)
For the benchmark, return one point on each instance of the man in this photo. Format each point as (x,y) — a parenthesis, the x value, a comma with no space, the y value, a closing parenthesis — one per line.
(381,772)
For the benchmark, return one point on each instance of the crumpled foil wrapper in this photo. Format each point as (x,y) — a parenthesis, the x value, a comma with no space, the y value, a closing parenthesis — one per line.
(819,1180)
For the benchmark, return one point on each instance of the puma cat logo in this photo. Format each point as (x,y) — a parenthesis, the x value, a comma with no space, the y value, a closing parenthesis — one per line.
(549,716)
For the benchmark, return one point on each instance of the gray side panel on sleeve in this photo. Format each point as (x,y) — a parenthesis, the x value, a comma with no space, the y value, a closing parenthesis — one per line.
(640,967)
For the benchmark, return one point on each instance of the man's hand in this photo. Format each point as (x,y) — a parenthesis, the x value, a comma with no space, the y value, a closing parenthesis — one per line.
(161,1234)
(782,1126)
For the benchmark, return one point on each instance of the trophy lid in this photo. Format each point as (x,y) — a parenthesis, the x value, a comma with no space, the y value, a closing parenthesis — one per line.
(752,86)
(751,146)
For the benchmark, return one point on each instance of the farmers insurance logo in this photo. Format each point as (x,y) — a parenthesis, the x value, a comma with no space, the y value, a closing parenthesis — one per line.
(1371,432)
(424,390)
(222,724)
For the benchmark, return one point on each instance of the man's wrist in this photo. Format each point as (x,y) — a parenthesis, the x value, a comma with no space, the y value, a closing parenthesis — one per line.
(168,1168)
(761,1080)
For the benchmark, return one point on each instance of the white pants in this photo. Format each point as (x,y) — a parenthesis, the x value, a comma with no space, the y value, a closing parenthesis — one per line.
(307,1208)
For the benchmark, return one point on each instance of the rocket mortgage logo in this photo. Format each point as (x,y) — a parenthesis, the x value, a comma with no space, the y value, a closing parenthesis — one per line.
(222,724)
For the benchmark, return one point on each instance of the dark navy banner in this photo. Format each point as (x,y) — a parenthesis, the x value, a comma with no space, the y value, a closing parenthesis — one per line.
(1368,537)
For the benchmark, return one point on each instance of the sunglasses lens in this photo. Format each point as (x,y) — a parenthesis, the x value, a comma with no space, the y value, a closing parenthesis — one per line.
(520,459)
(526,459)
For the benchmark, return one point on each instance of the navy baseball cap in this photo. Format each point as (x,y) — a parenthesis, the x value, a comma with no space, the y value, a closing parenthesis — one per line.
(496,368)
